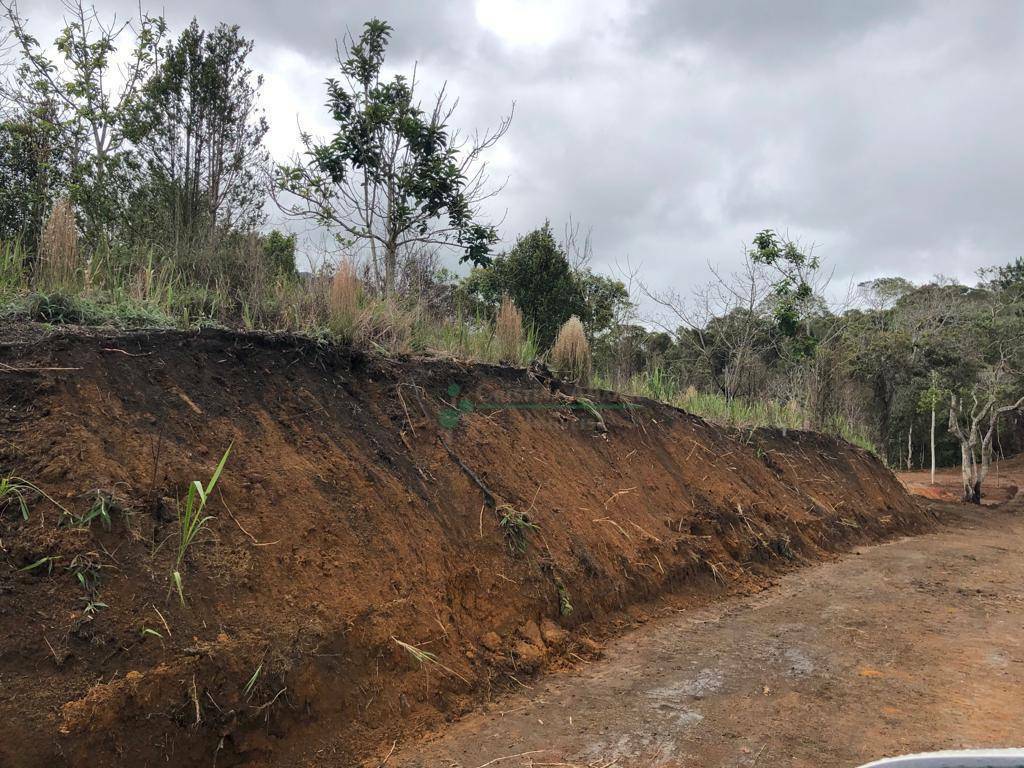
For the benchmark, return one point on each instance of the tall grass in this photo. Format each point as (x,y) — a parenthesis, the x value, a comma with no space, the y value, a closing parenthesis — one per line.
(737,412)
(570,355)
(57,263)
(508,330)
(346,302)
(13,274)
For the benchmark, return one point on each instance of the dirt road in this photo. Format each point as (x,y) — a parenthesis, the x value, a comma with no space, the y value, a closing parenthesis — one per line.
(912,645)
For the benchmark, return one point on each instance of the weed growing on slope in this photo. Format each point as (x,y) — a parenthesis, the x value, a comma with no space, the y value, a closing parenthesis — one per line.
(192,519)
(426,657)
(16,490)
(515,525)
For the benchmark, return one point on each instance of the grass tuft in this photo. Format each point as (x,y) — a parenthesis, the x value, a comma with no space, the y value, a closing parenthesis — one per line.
(508,331)
(516,526)
(570,355)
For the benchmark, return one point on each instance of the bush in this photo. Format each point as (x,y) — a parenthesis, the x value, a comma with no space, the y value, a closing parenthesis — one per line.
(571,354)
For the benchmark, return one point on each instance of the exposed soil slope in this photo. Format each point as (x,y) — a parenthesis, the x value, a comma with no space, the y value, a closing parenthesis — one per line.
(911,646)
(366,504)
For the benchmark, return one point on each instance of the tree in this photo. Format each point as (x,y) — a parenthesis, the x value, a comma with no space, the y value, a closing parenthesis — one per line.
(200,134)
(795,285)
(537,275)
(279,253)
(32,174)
(975,447)
(724,326)
(93,103)
(929,402)
(395,175)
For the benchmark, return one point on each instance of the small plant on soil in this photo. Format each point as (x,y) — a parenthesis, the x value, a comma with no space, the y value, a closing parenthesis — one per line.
(12,491)
(43,562)
(564,602)
(100,510)
(515,525)
(16,490)
(192,519)
(247,690)
(426,657)
(86,568)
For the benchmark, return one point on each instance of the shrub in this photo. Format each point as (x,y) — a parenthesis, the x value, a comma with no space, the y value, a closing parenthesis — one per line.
(57,264)
(508,331)
(571,354)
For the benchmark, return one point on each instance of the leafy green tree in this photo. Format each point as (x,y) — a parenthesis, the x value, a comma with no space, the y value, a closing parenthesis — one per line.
(94,101)
(32,174)
(394,175)
(606,301)
(792,283)
(199,132)
(537,275)
(279,253)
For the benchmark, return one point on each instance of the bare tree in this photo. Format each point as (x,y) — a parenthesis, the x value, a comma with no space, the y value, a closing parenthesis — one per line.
(724,324)
(975,446)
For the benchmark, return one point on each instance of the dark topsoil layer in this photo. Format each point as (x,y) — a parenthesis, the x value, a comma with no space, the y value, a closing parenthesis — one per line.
(367,503)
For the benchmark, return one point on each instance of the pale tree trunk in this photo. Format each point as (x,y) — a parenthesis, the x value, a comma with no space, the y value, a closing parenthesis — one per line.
(910,446)
(933,441)
(974,469)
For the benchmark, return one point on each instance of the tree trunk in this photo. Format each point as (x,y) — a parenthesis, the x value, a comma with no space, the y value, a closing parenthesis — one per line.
(933,441)
(390,270)
(910,446)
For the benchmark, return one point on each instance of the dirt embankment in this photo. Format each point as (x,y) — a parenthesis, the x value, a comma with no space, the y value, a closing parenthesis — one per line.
(390,541)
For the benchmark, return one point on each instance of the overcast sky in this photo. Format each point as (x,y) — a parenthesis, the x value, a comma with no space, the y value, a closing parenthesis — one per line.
(888,132)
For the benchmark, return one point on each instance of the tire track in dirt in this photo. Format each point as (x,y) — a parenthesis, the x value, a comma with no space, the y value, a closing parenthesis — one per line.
(906,646)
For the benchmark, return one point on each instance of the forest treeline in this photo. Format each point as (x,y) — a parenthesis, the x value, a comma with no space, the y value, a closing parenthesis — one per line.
(136,189)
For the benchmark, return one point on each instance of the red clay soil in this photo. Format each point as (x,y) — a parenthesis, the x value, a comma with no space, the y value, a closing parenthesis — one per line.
(391,542)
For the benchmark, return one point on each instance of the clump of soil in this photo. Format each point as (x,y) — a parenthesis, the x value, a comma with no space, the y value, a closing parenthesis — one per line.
(390,542)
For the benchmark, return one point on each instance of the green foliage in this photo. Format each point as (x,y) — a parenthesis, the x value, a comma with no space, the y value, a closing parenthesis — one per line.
(279,253)
(192,519)
(15,491)
(387,149)
(793,292)
(537,275)
(605,301)
(199,135)
(32,174)
(565,607)
(93,101)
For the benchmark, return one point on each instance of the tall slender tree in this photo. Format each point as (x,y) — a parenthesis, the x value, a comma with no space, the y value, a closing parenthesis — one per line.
(200,134)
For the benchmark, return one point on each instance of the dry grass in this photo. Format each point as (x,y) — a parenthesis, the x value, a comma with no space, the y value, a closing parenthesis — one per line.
(57,266)
(508,331)
(344,300)
(570,355)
